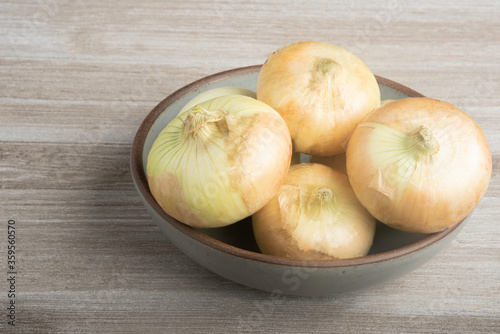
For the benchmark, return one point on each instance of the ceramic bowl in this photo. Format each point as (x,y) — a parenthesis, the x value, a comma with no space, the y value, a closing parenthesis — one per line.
(232,251)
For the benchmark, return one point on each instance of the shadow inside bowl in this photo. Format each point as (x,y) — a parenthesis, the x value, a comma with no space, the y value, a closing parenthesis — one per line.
(240,235)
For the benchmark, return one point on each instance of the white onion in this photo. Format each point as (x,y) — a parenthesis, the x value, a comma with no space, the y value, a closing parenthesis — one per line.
(321,90)
(419,164)
(314,215)
(219,161)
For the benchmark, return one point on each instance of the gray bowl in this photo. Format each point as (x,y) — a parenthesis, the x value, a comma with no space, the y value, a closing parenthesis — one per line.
(232,251)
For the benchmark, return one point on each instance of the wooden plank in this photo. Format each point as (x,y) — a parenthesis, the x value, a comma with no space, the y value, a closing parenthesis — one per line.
(64,166)
(77,79)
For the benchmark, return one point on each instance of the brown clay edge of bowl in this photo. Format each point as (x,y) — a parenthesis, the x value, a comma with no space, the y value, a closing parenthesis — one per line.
(140,179)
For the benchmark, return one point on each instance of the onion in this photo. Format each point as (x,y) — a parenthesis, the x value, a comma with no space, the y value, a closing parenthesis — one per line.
(314,215)
(219,161)
(321,90)
(418,164)
(217,92)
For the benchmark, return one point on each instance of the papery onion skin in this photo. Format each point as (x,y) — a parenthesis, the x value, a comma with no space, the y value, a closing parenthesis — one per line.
(217,172)
(217,92)
(423,188)
(321,90)
(314,216)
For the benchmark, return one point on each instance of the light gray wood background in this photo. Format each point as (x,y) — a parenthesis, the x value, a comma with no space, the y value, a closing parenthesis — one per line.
(78,77)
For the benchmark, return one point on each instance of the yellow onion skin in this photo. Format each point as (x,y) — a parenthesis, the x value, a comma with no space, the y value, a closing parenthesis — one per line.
(418,164)
(314,216)
(321,90)
(217,92)
(220,161)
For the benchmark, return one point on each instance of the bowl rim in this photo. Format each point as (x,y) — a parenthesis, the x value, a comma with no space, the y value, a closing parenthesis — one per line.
(140,180)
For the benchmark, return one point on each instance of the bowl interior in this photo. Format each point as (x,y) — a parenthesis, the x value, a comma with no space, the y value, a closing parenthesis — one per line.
(239,236)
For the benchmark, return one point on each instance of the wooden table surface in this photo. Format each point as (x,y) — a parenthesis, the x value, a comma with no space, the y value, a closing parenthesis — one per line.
(78,77)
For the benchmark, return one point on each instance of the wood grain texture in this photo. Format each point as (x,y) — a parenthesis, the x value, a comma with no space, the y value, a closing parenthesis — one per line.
(78,77)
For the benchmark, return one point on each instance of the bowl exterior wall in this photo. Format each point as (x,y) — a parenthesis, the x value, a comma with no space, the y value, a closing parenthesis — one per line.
(298,280)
